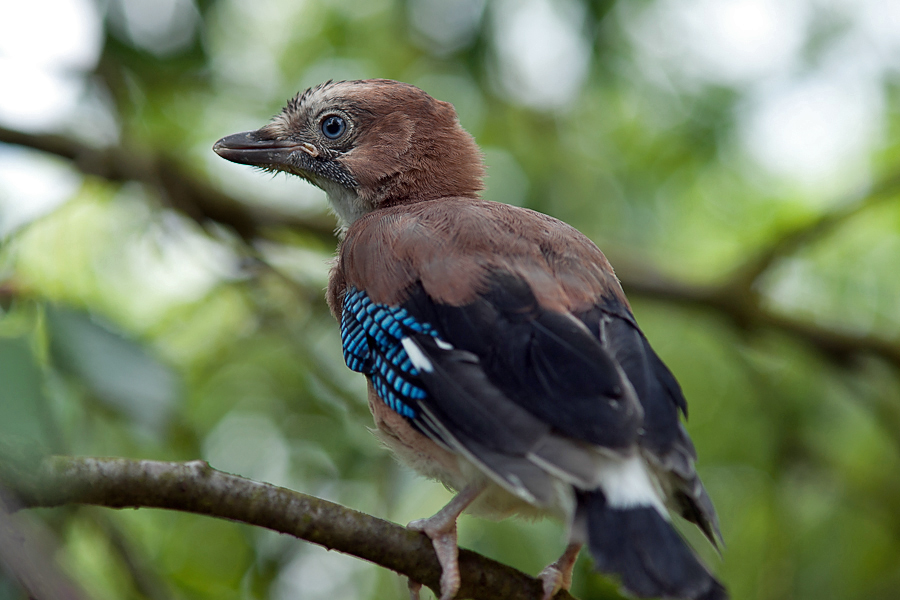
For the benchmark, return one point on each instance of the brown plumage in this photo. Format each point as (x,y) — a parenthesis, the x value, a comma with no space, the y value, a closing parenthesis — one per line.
(397,156)
(452,244)
(502,356)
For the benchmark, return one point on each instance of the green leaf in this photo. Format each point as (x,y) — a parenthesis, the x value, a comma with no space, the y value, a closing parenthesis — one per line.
(23,406)
(120,372)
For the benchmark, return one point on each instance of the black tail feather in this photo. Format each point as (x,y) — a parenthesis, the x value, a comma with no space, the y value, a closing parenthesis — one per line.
(645,551)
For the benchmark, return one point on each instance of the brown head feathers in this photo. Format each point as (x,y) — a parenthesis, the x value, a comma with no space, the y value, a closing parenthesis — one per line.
(398,144)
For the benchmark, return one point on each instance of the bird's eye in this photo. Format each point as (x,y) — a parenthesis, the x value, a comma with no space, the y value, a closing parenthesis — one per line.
(333,127)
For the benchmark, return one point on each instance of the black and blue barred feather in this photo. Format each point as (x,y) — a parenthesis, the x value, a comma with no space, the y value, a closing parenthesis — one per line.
(371,336)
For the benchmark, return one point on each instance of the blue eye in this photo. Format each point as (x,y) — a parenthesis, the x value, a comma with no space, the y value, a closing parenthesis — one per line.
(333,127)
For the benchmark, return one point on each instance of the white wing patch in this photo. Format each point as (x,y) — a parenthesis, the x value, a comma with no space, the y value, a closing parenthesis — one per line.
(442,344)
(626,483)
(416,356)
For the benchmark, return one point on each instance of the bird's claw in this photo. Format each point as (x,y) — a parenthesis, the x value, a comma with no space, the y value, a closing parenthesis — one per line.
(443,538)
(553,580)
(558,576)
(414,587)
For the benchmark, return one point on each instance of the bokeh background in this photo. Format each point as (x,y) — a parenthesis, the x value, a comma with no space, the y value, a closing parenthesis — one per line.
(737,160)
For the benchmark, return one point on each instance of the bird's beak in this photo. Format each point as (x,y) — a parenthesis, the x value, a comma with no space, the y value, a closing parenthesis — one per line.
(252,148)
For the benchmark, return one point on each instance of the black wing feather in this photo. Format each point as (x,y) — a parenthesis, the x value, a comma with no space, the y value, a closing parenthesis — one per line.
(516,387)
(663,436)
(545,362)
(474,417)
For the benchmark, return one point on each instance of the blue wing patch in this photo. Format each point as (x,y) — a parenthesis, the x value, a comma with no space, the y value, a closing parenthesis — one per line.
(371,336)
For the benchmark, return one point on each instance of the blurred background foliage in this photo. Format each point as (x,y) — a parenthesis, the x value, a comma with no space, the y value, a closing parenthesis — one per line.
(738,161)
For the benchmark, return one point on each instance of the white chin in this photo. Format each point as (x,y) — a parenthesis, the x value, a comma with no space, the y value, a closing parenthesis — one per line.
(347,205)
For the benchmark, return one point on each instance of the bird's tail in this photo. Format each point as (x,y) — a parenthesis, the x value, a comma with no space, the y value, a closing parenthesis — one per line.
(642,547)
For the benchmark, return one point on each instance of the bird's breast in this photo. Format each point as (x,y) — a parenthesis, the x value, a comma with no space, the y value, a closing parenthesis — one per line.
(428,459)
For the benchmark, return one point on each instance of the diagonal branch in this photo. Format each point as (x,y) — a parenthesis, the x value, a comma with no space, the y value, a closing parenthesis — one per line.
(744,309)
(26,552)
(198,488)
(181,191)
(804,235)
(737,298)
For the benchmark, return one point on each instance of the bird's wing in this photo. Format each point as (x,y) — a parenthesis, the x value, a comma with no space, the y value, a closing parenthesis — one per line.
(445,389)
(663,438)
(512,345)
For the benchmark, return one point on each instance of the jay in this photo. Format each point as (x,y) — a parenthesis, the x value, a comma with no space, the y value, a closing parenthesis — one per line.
(501,354)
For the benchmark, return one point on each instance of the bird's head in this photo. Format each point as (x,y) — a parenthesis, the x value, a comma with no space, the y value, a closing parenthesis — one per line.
(368,144)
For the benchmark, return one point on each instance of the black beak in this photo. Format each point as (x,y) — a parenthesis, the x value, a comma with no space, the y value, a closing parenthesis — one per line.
(251,148)
(258,149)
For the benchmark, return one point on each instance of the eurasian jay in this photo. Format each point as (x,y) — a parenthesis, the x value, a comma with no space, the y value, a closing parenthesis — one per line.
(501,354)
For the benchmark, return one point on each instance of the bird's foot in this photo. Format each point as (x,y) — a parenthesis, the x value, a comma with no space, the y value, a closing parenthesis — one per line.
(441,529)
(443,538)
(558,576)
(414,587)
(553,580)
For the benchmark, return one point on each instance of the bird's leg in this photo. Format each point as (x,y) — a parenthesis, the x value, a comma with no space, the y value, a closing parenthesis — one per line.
(441,528)
(414,587)
(558,575)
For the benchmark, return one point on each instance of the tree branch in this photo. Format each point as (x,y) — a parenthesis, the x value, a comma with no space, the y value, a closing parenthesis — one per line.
(199,201)
(744,308)
(736,298)
(792,240)
(198,488)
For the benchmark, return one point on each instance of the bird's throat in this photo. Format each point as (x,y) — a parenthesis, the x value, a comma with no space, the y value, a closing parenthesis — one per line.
(347,204)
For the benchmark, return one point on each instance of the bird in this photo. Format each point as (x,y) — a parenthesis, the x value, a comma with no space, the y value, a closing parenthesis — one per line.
(501,355)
